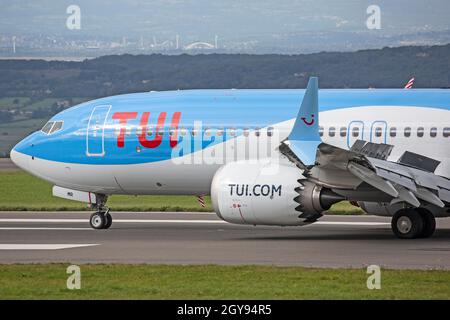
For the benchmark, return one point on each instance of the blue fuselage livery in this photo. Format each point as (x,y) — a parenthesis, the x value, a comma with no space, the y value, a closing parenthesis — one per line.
(91,133)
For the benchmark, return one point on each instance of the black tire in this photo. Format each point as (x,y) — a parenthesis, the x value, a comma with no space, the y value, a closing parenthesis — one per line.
(429,224)
(109,221)
(97,220)
(407,224)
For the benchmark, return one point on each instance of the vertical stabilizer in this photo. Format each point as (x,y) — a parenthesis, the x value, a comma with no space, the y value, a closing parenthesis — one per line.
(304,137)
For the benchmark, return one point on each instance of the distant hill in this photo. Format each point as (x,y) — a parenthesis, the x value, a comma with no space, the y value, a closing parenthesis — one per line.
(108,75)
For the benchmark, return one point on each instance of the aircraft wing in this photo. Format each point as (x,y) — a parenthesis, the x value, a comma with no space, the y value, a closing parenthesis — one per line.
(410,180)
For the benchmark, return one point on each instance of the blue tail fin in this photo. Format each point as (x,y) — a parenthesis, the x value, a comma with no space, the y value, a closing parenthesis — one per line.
(304,137)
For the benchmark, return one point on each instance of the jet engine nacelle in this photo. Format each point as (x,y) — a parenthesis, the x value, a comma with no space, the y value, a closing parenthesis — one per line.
(266,194)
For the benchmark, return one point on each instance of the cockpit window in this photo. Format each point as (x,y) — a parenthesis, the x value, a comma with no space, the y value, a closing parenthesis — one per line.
(46,128)
(56,127)
(52,126)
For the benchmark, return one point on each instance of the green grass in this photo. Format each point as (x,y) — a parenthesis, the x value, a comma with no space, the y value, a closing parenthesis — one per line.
(48,281)
(344,208)
(21,191)
(8,102)
(44,104)
(22,126)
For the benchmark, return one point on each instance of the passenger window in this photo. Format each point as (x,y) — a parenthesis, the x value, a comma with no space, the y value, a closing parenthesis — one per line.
(232,132)
(270,131)
(393,132)
(207,132)
(332,131)
(46,128)
(219,132)
(446,132)
(257,132)
(378,132)
(321,131)
(420,132)
(343,131)
(149,131)
(355,132)
(246,132)
(407,132)
(56,127)
(433,132)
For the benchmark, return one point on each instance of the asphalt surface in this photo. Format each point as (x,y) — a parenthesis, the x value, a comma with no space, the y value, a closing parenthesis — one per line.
(6,165)
(201,238)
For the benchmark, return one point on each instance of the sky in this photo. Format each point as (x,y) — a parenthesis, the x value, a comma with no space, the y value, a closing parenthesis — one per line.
(227,18)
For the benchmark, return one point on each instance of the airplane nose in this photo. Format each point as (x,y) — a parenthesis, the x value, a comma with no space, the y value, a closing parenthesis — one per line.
(18,157)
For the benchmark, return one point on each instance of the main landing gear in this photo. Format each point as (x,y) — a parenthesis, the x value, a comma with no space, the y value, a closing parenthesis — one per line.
(413,223)
(101,219)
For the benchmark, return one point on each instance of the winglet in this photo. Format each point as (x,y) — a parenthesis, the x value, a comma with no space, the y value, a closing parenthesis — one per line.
(304,137)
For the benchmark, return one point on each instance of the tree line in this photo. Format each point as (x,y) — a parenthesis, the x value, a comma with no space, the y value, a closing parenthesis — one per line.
(108,75)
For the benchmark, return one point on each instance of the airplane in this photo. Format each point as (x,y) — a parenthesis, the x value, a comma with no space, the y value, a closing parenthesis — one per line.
(277,157)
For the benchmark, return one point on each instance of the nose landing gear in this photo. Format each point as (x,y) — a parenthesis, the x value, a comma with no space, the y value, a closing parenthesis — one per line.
(101,220)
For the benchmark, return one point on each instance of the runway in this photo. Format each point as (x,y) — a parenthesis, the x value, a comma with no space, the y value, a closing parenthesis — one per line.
(7,165)
(201,238)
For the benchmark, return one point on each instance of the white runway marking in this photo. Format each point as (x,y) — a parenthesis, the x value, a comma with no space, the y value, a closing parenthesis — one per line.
(114,221)
(46,220)
(169,221)
(190,213)
(184,221)
(43,228)
(25,246)
(351,223)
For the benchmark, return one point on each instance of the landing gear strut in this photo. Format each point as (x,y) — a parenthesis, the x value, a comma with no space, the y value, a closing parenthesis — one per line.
(101,219)
(413,223)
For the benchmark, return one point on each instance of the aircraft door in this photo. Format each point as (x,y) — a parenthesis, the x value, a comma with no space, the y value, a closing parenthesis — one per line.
(355,132)
(378,131)
(95,136)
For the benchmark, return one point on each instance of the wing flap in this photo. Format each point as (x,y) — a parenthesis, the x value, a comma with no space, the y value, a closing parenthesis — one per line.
(428,196)
(406,196)
(403,183)
(372,178)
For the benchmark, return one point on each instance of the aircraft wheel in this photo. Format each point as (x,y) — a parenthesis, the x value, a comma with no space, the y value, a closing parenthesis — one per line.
(109,221)
(429,224)
(407,224)
(98,220)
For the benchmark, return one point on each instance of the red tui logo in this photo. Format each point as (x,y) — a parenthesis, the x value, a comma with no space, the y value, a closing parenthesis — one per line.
(123,118)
